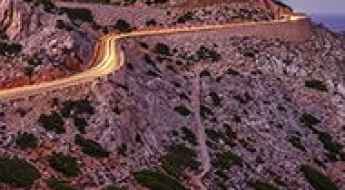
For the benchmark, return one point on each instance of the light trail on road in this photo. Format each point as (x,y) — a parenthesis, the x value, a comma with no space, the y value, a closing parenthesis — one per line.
(110,57)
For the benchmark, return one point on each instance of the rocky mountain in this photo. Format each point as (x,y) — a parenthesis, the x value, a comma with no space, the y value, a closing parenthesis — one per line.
(49,44)
(193,111)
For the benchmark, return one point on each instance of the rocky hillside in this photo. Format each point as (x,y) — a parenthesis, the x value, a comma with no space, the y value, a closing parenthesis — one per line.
(214,112)
(40,42)
(193,111)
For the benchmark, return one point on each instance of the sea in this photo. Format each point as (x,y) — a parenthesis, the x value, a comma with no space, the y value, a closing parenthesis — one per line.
(333,22)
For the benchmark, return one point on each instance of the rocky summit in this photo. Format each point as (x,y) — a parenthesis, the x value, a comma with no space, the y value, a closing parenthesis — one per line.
(256,106)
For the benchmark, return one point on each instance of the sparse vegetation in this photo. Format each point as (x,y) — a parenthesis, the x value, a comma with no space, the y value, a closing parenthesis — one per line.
(188,135)
(185,18)
(258,185)
(182,110)
(91,147)
(334,148)
(227,159)
(162,49)
(17,172)
(318,180)
(56,184)
(65,164)
(123,26)
(296,142)
(178,159)
(155,180)
(316,85)
(52,122)
(78,15)
(112,187)
(309,120)
(206,53)
(26,140)
(10,49)
(77,107)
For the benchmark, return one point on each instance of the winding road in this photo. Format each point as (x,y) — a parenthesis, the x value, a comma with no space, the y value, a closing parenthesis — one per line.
(110,57)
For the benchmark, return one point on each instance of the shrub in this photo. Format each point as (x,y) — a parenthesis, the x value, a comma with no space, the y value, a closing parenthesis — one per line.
(215,99)
(214,135)
(7,49)
(233,72)
(48,6)
(309,120)
(80,123)
(185,18)
(112,187)
(317,179)
(316,85)
(178,159)
(123,26)
(333,147)
(162,49)
(182,110)
(157,181)
(26,140)
(65,164)
(189,136)
(77,107)
(78,14)
(296,142)
(205,53)
(91,147)
(227,159)
(258,185)
(57,184)
(52,122)
(17,172)
(205,111)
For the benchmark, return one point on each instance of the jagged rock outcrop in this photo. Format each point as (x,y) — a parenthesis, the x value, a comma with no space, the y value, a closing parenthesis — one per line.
(36,30)
(44,39)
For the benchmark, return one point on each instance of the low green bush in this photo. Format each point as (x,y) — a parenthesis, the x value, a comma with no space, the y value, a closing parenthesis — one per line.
(9,49)
(78,14)
(316,85)
(309,120)
(53,122)
(77,107)
(123,26)
(188,135)
(297,143)
(178,159)
(259,185)
(112,187)
(154,180)
(205,53)
(26,140)
(17,172)
(318,180)
(91,147)
(182,110)
(227,159)
(65,164)
(162,49)
(56,184)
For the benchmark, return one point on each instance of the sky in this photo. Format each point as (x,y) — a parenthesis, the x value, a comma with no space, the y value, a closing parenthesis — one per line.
(318,6)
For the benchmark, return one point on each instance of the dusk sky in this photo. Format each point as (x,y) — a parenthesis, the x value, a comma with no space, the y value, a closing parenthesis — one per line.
(318,6)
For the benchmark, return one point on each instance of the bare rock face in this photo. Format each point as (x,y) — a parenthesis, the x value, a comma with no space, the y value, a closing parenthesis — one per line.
(36,29)
(15,18)
(279,9)
(44,33)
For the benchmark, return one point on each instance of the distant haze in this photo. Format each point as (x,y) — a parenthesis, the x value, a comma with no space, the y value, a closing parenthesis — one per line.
(331,13)
(333,7)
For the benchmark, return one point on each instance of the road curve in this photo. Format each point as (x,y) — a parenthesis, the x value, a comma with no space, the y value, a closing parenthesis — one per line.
(111,58)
